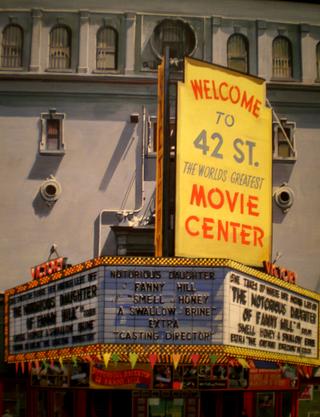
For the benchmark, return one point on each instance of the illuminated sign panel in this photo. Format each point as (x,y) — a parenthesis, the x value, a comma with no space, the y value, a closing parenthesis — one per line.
(162,304)
(48,268)
(265,317)
(223,198)
(56,315)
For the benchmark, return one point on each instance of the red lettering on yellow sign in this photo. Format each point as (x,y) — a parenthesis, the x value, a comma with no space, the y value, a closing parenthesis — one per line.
(209,90)
(224,230)
(217,199)
(220,229)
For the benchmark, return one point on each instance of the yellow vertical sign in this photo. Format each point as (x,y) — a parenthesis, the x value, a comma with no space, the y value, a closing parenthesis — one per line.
(224,165)
(159,164)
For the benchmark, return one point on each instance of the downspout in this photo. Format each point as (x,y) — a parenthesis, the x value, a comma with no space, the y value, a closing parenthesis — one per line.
(124,213)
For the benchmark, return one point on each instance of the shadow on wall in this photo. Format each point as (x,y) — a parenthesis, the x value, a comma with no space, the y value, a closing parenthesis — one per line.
(118,154)
(44,166)
(108,247)
(40,207)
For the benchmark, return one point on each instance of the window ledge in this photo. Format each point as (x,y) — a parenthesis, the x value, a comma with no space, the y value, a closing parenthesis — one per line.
(110,71)
(53,153)
(286,160)
(286,80)
(66,70)
(20,69)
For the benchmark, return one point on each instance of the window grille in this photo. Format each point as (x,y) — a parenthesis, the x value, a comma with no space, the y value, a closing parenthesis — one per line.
(152,132)
(318,61)
(175,34)
(281,58)
(12,46)
(60,48)
(237,51)
(53,134)
(107,48)
(284,147)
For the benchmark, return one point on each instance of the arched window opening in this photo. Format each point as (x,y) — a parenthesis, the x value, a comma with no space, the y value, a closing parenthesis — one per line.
(281,58)
(60,48)
(175,34)
(238,53)
(12,47)
(107,49)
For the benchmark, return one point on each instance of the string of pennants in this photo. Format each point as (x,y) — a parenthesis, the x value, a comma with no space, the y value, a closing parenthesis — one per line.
(175,359)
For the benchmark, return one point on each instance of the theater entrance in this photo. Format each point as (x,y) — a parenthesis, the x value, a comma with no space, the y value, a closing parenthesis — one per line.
(220,404)
(156,403)
(187,404)
(163,407)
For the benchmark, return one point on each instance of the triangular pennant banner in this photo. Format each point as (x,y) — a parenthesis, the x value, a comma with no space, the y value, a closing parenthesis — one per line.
(22,367)
(195,358)
(251,364)
(74,361)
(17,367)
(106,358)
(243,362)
(115,358)
(37,365)
(133,357)
(213,359)
(233,362)
(29,366)
(61,361)
(153,357)
(176,359)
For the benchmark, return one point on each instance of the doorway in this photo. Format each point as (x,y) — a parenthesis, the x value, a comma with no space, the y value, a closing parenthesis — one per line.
(166,407)
(221,404)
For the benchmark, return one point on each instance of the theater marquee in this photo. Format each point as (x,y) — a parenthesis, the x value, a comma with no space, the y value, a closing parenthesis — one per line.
(163,305)
(223,197)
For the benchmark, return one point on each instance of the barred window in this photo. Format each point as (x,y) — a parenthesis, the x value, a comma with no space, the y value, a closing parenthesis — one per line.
(284,147)
(152,133)
(175,34)
(52,140)
(12,47)
(281,58)
(107,49)
(238,53)
(318,61)
(60,48)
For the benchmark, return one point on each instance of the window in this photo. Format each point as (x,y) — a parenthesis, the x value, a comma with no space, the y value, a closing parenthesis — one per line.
(318,61)
(175,34)
(281,58)
(52,133)
(284,140)
(152,126)
(60,48)
(12,46)
(237,50)
(107,48)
